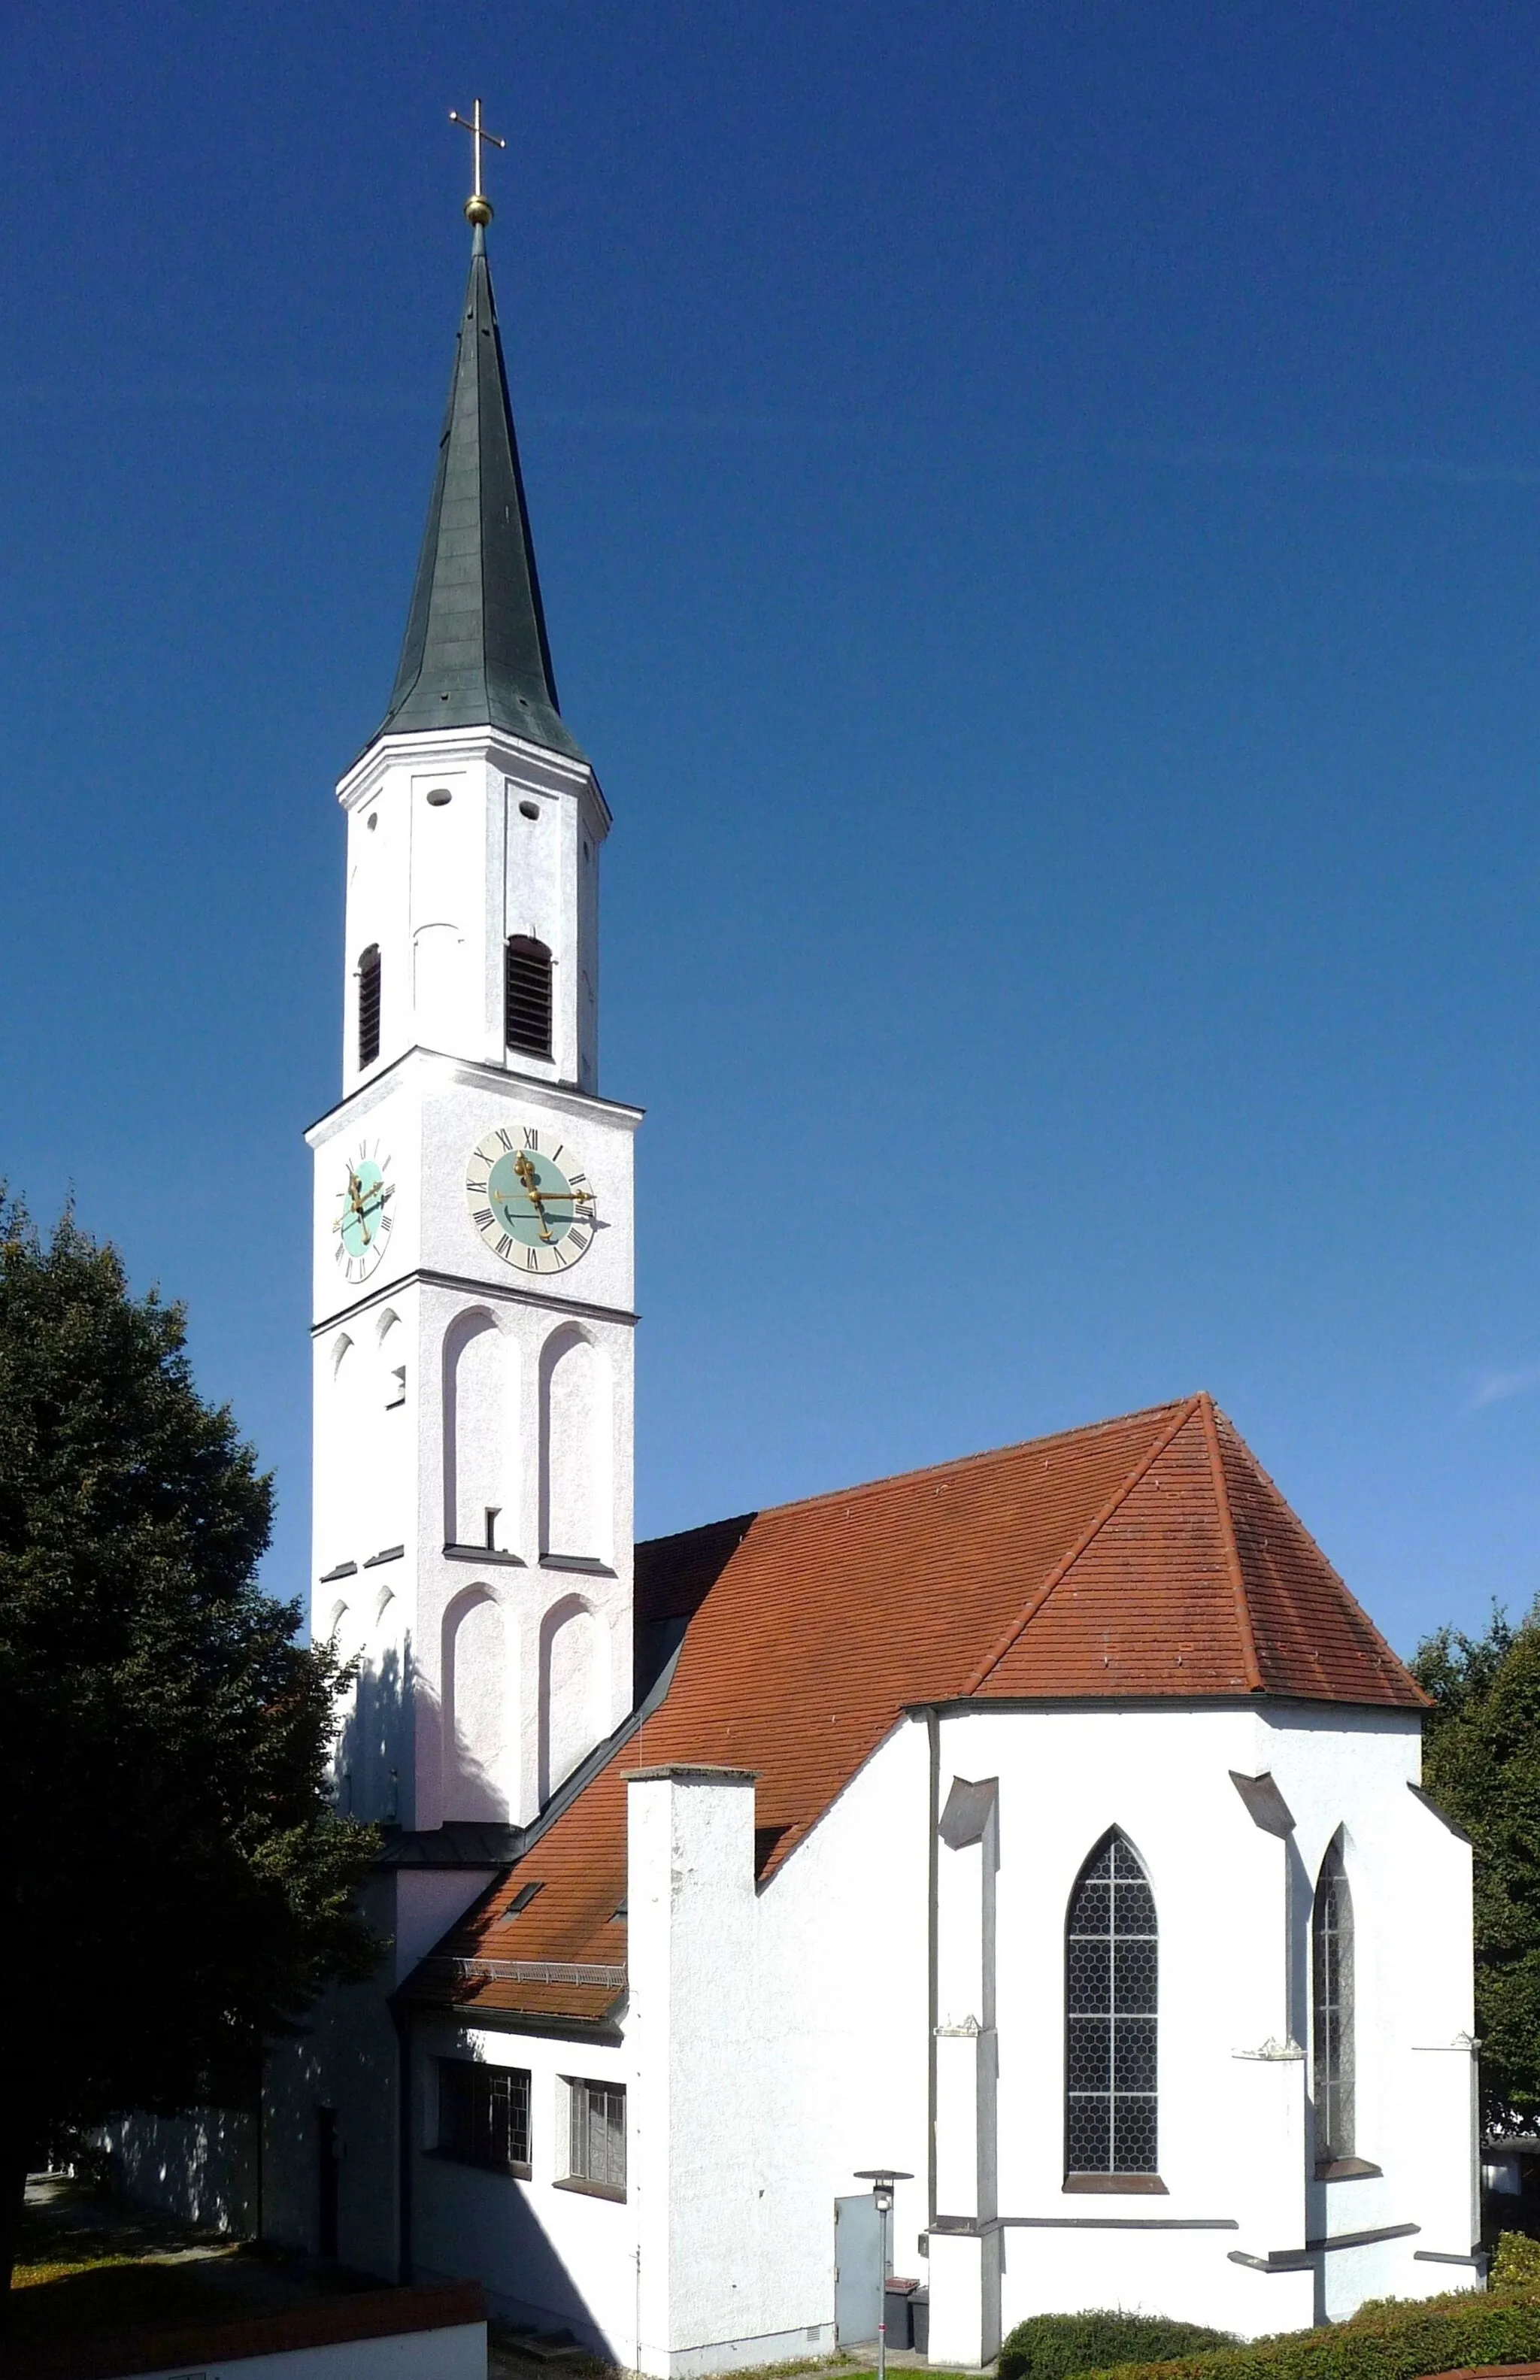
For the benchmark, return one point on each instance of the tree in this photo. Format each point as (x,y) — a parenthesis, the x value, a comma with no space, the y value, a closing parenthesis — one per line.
(1482,1765)
(175,1886)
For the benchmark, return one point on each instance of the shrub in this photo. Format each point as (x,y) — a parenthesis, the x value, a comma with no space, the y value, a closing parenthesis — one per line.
(1396,2339)
(1052,2346)
(1516,2265)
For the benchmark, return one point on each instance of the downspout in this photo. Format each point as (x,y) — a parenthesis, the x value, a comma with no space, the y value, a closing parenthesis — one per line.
(261,2111)
(933,1729)
(403,2021)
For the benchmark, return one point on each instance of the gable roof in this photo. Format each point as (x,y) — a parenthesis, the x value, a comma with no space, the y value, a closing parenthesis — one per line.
(1145,1558)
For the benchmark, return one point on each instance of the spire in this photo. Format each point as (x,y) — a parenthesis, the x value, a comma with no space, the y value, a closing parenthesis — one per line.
(475,653)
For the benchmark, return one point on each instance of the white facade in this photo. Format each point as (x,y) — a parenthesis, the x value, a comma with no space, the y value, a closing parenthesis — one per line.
(775,2042)
(473,1424)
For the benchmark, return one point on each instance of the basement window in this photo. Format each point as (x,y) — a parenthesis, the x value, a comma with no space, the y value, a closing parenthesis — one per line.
(527,996)
(484,2114)
(596,2138)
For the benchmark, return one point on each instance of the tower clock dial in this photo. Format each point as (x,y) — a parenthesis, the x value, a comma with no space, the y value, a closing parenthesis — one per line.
(361,1230)
(529,1200)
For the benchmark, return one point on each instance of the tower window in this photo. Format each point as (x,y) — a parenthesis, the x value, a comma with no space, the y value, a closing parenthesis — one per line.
(527,996)
(368,1005)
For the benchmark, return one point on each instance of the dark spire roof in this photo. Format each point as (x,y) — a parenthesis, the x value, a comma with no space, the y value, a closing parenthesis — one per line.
(476,653)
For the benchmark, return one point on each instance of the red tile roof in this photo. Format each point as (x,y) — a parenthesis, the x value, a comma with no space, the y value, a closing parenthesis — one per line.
(1146,1556)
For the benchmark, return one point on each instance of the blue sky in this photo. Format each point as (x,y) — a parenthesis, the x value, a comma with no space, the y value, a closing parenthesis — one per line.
(1039,512)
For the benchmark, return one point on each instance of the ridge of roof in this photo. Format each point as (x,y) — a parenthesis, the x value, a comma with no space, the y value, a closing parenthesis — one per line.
(1181,1416)
(954,1466)
(1232,1545)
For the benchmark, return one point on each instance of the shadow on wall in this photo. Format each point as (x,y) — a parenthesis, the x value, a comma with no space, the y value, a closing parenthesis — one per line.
(201,2167)
(393,1727)
(373,1747)
(492,2233)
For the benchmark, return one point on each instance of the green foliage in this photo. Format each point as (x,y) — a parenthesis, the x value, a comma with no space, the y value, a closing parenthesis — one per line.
(1052,2346)
(174,1884)
(1516,2262)
(1392,2341)
(1482,1766)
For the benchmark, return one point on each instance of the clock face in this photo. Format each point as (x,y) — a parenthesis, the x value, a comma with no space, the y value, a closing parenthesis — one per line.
(361,1230)
(530,1201)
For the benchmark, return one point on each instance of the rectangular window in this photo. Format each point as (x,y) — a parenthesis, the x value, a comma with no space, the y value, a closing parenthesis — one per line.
(596,2157)
(484,2114)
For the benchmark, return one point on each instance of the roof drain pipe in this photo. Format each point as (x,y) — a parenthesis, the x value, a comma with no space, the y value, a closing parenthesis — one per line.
(933,1729)
(404,2143)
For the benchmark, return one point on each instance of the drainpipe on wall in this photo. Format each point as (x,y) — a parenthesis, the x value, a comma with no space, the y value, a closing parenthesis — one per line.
(933,1729)
(402,2020)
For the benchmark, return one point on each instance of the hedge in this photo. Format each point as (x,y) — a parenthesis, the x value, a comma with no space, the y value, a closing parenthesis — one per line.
(1395,2339)
(1053,2346)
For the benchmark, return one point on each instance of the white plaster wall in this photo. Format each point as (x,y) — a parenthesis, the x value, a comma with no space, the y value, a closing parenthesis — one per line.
(439,885)
(552,2257)
(201,2167)
(458,2352)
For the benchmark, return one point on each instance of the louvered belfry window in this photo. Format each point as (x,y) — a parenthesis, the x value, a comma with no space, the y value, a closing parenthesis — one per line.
(527,996)
(1331,1978)
(1111,1957)
(368,1005)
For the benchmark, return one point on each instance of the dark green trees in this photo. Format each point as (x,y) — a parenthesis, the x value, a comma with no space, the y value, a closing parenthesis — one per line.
(173,1885)
(1482,1765)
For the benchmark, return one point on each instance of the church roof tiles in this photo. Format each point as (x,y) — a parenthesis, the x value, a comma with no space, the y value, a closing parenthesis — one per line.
(1145,1558)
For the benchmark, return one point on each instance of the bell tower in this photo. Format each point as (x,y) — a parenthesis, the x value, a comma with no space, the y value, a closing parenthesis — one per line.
(473,1276)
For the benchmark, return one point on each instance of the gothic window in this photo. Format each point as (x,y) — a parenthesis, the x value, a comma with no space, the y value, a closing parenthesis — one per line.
(368,1005)
(1331,1996)
(1110,1962)
(527,996)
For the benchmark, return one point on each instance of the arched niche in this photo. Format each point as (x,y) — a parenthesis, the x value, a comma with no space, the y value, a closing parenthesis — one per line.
(478,1705)
(385,1467)
(576,1448)
(574,1689)
(479,1402)
(438,974)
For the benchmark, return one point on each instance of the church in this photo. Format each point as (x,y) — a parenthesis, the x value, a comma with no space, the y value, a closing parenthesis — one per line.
(1044,1828)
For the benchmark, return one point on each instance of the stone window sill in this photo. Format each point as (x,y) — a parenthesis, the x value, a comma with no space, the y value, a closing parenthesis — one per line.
(484,1554)
(589,2189)
(386,1553)
(1347,2169)
(479,2165)
(1144,2185)
(587,1563)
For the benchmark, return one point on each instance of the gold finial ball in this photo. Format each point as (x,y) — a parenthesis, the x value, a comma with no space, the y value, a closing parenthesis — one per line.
(479,212)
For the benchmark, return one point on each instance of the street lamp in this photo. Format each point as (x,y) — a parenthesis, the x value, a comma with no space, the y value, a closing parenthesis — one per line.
(883,2179)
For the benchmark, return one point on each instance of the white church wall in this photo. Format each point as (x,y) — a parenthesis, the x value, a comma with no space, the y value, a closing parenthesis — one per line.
(480,1432)
(202,2167)
(834,2055)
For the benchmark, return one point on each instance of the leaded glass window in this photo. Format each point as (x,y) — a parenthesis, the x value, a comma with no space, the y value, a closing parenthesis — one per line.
(597,2143)
(1331,1995)
(1111,1981)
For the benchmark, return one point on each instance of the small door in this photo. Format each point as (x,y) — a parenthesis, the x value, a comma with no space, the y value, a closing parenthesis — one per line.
(857,2268)
(327,2176)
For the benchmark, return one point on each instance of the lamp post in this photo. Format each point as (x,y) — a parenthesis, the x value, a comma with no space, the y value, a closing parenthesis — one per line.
(883,2181)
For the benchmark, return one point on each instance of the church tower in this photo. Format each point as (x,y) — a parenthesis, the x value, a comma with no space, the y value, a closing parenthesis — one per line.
(473,1280)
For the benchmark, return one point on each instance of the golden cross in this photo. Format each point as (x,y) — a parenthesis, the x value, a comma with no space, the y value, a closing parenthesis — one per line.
(478,206)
